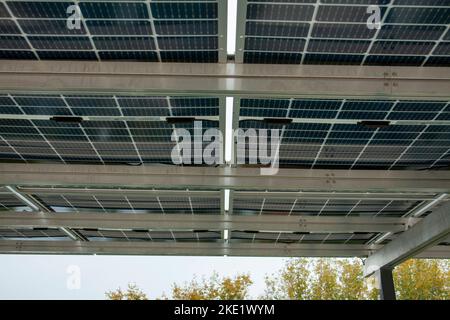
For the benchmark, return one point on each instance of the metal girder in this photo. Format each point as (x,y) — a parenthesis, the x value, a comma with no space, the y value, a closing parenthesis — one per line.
(226,177)
(426,233)
(183,248)
(225,79)
(206,222)
(189,249)
(239,194)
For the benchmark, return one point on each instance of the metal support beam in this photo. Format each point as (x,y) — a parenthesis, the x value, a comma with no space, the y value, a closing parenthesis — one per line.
(225,79)
(218,178)
(205,222)
(186,249)
(183,248)
(36,206)
(426,233)
(385,284)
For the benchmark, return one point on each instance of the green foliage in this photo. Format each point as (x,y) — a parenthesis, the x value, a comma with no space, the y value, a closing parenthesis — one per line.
(315,279)
(214,288)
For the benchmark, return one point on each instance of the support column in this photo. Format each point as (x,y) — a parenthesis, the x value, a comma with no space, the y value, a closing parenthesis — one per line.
(385,283)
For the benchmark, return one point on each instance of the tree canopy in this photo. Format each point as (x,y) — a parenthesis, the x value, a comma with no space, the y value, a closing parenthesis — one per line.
(314,279)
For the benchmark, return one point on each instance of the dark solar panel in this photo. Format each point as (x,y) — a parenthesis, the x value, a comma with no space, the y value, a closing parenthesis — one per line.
(99,140)
(117,203)
(184,31)
(331,137)
(32,234)
(412,33)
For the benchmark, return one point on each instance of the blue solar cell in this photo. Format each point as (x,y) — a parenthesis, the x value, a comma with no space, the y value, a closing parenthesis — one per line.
(274,45)
(338,46)
(114,10)
(129,55)
(179,10)
(411,32)
(3,11)
(13,42)
(8,27)
(402,47)
(41,9)
(189,56)
(67,43)
(67,55)
(438,62)
(17,55)
(188,43)
(279,12)
(334,30)
(124,43)
(48,27)
(119,27)
(276,29)
(419,15)
(361,105)
(394,60)
(346,59)
(192,27)
(442,49)
(272,57)
(345,13)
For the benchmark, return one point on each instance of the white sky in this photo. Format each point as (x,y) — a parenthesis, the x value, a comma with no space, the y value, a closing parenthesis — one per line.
(45,276)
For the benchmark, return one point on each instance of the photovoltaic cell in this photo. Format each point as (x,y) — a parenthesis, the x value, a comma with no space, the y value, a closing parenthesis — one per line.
(128,140)
(166,31)
(413,33)
(354,146)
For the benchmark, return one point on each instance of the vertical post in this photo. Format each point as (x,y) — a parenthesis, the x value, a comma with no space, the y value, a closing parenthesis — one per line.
(385,283)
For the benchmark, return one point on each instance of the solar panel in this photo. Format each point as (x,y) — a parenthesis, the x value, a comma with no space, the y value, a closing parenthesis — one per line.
(9,202)
(303,206)
(123,203)
(114,129)
(48,234)
(179,31)
(327,133)
(150,235)
(299,237)
(412,33)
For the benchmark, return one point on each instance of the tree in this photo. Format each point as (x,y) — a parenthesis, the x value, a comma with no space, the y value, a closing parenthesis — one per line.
(132,293)
(318,279)
(214,288)
(422,279)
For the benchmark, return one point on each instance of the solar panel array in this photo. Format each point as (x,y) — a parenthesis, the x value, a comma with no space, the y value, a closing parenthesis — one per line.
(322,207)
(122,203)
(164,31)
(412,33)
(106,140)
(337,139)
(299,237)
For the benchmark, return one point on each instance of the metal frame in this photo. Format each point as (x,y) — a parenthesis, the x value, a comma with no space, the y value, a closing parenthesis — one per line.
(428,232)
(206,222)
(223,178)
(225,80)
(195,249)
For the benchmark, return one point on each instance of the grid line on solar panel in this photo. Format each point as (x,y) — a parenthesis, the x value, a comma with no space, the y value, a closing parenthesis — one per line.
(105,141)
(413,33)
(136,30)
(145,204)
(353,146)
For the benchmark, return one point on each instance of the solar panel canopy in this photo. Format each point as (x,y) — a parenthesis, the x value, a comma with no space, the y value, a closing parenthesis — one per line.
(412,33)
(106,130)
(157,31)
